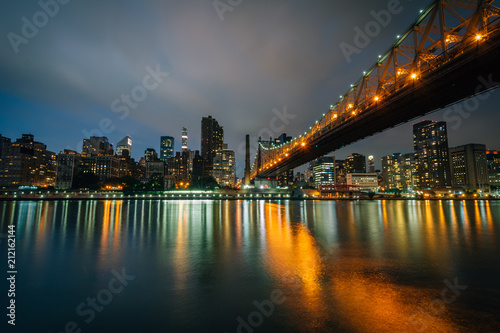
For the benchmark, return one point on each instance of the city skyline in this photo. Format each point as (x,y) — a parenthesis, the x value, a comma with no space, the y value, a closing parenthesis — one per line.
(250,166)
(186,94)
(347,151)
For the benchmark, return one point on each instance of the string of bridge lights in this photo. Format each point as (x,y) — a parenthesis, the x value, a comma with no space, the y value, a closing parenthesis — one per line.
(381,58)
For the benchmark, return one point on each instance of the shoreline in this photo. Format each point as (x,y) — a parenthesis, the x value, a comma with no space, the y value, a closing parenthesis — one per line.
(232,198)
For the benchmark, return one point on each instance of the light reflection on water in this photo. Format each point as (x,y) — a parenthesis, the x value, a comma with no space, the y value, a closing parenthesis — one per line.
(347,266)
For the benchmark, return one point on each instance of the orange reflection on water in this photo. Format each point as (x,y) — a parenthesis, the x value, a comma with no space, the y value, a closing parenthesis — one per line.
(348,287)
(370,302)
(181,254)
(109,247)
(292,257)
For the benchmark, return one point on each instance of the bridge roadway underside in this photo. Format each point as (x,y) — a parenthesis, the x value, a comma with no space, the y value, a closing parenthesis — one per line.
(457,80)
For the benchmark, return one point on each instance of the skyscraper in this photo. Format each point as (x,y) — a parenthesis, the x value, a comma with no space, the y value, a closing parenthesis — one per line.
(124,144)
(212,138)
(430,141)
(184,139)
(324,171)
(356,163)
(469,167)
(166,148)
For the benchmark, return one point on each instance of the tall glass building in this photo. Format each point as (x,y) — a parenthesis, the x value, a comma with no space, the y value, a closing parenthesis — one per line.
(166,148)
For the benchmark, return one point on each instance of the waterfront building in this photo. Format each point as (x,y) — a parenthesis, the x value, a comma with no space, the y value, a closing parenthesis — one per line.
(430,141)
(410,172)
(393,171)
(398,172)
(469,167)
(26,163)
(365,181)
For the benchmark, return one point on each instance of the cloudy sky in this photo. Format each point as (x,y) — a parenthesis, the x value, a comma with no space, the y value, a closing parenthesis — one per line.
(67,75)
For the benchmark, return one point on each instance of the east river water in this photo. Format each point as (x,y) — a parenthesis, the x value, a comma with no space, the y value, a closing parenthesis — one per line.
(254,266)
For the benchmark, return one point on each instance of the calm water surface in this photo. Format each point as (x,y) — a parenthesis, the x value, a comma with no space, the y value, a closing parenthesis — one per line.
(255,266)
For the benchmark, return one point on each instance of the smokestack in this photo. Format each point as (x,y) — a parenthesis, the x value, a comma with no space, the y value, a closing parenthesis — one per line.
(247,162)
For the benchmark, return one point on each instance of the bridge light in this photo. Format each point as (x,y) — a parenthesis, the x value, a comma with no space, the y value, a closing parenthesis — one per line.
(414,76)
(353,113)
(349,106)
(478,37)
(303,144)
(376,98)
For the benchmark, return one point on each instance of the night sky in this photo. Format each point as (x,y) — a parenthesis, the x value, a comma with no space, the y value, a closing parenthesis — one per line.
(67,79)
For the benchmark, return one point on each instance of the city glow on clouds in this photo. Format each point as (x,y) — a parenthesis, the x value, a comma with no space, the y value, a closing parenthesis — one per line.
(263,55)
